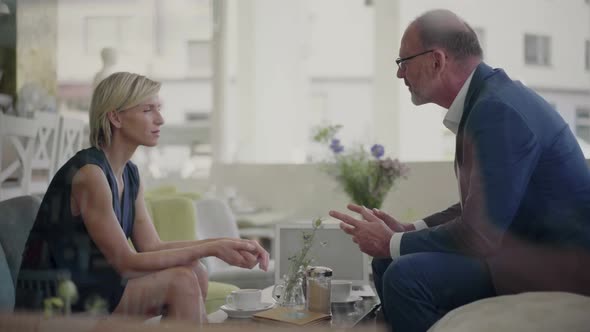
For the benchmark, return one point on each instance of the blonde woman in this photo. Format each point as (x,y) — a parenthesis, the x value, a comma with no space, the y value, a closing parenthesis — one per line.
(95,203)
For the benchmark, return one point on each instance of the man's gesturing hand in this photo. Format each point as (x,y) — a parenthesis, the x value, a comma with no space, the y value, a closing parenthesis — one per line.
(372,235)
(390,221)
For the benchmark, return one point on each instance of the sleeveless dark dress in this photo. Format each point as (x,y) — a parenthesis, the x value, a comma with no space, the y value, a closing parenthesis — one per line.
(59,240)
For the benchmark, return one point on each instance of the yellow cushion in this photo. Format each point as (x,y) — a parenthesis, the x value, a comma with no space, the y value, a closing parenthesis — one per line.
(174,217)
(160,190)
(216,294)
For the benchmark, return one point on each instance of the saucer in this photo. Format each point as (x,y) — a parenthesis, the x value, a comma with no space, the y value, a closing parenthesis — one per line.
(243,313)
(352,298)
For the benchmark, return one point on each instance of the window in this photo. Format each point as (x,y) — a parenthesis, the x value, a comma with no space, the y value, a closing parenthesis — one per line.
(199,57)
(583,123)
(537,50)
(587,54)
(108,31)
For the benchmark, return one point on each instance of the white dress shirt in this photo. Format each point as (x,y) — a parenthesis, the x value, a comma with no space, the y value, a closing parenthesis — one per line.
(451,121)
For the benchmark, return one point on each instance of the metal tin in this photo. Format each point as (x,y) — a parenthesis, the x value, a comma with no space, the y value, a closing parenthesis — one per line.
(318,271)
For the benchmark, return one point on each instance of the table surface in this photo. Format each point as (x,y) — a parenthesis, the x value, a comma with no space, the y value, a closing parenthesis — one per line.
(344,315)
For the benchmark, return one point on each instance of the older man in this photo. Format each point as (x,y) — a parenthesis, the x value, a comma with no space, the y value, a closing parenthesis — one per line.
(523,219)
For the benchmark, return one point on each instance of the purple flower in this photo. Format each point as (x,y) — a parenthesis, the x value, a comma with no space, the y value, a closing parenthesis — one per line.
(336,146)
(377,151)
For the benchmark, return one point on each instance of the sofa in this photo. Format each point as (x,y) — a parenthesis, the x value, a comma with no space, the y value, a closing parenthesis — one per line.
(526,312)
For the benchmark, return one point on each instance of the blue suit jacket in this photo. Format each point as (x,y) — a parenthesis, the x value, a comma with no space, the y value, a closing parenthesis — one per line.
(524,189)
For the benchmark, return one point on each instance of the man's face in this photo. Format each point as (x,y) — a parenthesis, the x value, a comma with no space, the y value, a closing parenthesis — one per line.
(414,71)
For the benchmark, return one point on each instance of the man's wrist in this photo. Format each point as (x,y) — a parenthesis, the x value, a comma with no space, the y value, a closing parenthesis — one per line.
(419,224)
(395,244)
(409,227)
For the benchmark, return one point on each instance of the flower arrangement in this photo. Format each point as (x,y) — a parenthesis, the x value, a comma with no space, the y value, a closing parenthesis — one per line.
(365,176)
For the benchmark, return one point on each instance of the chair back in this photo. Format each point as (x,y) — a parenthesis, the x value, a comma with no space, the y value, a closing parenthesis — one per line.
(71,138)
(18,215)
(44,151)
(17,138)
(215,219)
(173,217)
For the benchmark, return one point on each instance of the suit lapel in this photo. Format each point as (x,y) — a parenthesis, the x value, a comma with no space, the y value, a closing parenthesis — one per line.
(482,72)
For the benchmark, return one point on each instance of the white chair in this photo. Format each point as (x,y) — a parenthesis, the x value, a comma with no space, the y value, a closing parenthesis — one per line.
(71,139)
(17,139)
(44,151)
(215,219)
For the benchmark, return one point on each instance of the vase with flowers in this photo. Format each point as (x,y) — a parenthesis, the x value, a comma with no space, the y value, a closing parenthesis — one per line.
(365,176)
(289,292)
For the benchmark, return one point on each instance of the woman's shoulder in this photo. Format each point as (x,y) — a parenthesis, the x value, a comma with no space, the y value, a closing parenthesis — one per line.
(89,156)
(83,157)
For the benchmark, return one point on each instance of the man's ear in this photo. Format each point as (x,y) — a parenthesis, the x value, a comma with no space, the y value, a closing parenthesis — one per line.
(440,61)
(114,119)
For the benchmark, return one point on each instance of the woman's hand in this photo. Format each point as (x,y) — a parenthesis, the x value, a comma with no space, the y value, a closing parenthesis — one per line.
(239,252)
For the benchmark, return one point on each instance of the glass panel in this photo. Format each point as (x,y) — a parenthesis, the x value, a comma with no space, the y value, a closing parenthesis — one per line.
(583,132)
(531,49)
(545,50)
(199,57)
(168,41)
(537,50)
(582,114)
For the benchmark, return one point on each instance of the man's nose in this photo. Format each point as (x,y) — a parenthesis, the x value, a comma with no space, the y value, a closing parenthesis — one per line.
(400,72)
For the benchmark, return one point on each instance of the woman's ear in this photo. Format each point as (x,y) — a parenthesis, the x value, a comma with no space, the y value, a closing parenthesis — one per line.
(114,119)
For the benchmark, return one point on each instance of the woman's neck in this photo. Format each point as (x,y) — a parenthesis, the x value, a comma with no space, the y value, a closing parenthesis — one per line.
(118,154)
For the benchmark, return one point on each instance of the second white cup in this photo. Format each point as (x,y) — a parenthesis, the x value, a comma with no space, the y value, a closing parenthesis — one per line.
(340,290)
(244,299)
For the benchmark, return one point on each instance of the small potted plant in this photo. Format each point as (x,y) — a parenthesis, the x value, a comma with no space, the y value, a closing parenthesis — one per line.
(289,293)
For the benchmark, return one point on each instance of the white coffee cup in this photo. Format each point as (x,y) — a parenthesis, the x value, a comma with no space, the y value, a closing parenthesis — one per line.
(244,299)
(340,290)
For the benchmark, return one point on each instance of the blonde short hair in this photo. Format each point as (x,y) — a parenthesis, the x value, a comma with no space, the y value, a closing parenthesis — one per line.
(117,92)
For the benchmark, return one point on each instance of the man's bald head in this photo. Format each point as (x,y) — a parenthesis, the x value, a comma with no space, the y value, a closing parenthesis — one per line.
(444,29)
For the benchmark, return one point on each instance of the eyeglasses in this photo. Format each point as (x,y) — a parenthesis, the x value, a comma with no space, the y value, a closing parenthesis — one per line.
(400,61)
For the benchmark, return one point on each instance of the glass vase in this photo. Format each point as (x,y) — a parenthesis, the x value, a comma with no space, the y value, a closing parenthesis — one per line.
(289,293)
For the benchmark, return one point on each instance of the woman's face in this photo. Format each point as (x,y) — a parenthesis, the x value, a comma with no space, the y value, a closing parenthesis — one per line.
(141,124)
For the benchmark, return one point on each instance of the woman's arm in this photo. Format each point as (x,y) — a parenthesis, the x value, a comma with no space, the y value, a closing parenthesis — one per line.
(145,237)
(93,197)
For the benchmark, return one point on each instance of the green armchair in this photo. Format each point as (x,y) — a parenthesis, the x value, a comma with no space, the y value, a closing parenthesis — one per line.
(174,217)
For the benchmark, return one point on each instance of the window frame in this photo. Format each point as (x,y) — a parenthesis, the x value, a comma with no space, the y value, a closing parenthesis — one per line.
(582,122)
(537,50)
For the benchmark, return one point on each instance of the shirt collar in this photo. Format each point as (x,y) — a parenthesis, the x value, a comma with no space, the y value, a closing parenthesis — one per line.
(455,112)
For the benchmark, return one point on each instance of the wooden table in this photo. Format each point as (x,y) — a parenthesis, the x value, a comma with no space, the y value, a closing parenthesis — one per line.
(344,316)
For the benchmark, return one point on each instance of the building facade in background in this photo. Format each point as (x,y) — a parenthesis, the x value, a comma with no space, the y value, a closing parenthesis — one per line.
(293,65)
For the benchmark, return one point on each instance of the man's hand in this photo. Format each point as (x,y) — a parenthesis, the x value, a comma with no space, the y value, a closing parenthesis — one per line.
(390,221)
(372,235)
